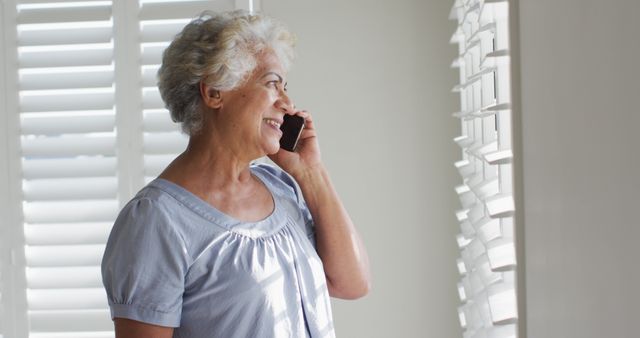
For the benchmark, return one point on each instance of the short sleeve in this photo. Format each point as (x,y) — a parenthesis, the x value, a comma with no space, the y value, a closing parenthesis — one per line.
(284,178)
(144,265)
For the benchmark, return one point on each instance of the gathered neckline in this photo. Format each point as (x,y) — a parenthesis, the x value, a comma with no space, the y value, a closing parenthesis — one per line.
(268,226)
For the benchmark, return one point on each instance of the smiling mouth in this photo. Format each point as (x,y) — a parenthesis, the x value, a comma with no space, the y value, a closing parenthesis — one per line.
(273,123)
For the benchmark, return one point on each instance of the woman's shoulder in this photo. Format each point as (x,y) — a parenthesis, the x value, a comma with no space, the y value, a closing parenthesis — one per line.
(147,203)
(277,178)
(150,199)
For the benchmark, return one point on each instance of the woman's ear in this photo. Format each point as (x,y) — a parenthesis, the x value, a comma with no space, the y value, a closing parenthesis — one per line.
(210,96)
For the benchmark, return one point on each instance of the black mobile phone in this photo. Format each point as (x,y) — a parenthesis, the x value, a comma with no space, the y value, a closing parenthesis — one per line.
(291,129)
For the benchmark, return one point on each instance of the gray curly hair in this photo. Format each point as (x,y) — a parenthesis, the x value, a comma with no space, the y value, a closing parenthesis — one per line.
(220,49)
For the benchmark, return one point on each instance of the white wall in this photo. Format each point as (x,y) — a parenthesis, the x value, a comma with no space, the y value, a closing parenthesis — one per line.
(376,76)
(580,126)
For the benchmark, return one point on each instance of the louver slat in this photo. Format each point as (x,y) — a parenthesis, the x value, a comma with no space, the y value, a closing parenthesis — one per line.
(163,143)
(159,120)
(57,125)
(69,56)
(67,299)
(91,33)
(70,211)
(64,255)
(58,321)
(23,2)
(68,146)
(64,277)
(68,167)
(160,31)
(80,100)
(67,78)
(70,189)
(186,9)
(149,75)
(67,233)
(98,12)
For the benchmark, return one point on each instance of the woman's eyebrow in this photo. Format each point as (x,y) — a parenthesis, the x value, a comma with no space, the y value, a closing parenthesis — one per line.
(273,73)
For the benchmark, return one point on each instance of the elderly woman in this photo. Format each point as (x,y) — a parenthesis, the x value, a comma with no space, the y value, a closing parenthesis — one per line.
(217,246)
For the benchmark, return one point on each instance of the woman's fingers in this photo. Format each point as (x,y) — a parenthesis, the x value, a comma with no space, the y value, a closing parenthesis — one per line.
(309,129)
(308,120)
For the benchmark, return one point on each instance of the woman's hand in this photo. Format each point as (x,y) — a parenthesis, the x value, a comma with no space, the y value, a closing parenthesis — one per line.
(306,156)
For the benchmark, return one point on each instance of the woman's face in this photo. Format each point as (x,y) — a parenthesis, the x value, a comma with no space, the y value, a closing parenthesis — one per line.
(254,111)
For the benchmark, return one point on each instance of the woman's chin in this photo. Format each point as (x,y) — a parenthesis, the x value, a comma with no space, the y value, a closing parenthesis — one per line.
(272,149)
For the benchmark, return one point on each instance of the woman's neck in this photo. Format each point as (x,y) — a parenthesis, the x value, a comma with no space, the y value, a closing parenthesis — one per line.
(207,165)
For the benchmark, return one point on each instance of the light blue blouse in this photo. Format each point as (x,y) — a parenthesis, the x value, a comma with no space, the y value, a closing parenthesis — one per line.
(174,260)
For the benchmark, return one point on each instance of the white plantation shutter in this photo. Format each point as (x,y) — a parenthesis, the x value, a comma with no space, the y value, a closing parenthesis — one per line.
(68,157)
(487,288)
(80,85)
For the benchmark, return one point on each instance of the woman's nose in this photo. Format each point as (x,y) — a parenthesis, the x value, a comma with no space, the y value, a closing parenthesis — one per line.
(285,104)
